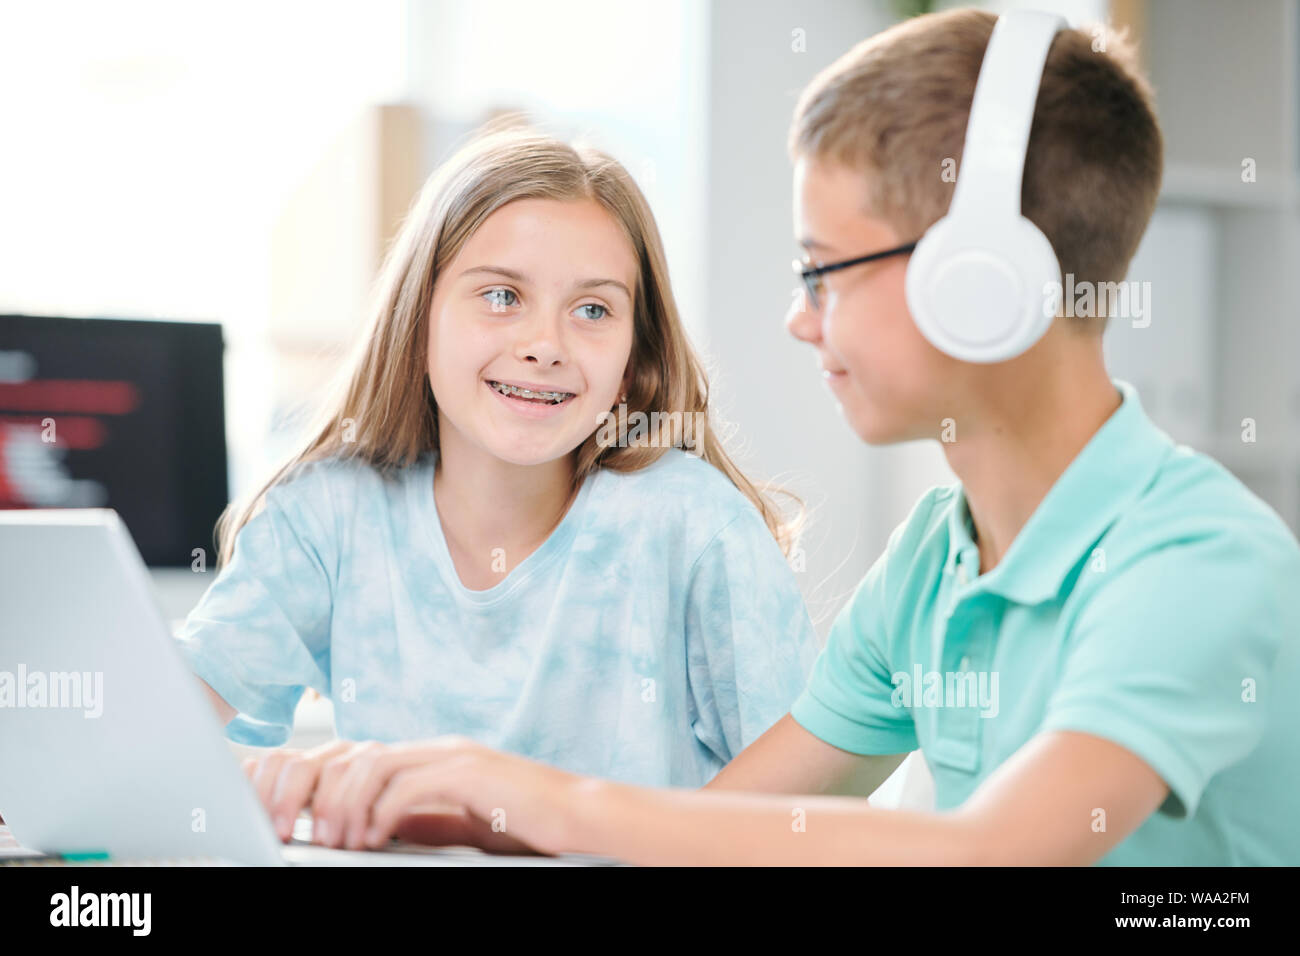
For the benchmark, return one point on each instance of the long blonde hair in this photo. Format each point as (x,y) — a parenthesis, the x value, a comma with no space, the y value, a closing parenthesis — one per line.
(382,409)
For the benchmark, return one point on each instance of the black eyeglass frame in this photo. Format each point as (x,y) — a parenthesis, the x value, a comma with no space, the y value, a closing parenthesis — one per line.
(811,276)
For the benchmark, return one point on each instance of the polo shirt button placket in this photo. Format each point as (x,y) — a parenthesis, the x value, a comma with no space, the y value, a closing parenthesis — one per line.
(958,727)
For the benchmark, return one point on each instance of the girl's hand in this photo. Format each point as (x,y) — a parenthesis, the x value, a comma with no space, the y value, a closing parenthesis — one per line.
(492,800)
(286,779)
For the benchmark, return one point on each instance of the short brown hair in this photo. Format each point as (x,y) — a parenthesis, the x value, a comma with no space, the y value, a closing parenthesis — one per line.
(896,107)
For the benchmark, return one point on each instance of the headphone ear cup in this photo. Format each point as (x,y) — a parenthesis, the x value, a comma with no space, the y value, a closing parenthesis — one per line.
(982,297)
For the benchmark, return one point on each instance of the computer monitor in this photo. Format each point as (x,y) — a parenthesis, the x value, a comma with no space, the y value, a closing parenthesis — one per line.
(122,414)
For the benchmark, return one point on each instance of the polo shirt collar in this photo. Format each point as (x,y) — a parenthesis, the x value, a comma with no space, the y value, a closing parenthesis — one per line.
(1106,476)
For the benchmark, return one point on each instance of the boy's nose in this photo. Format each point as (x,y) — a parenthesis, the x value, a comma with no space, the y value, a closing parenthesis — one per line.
(803,323)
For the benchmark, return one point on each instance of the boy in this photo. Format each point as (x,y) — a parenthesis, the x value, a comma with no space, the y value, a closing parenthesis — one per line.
(1115,605)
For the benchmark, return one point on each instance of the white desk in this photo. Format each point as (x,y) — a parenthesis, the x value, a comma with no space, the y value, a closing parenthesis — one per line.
(307,855)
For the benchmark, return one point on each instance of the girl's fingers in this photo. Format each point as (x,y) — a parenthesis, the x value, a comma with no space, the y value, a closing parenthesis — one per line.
(368,780)
(407,789)
(330,805)
(344,810)
(352,781)
(265,775)
(325,798)
(286,779)
(293,789)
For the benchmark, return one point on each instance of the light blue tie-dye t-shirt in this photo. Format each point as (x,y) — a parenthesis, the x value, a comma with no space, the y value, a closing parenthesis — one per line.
(655,634)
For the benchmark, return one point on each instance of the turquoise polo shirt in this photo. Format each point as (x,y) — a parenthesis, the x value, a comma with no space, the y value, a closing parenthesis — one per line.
(1151,600)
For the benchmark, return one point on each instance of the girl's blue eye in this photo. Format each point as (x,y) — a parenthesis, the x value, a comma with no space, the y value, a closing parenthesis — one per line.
(592,305)
(500,299)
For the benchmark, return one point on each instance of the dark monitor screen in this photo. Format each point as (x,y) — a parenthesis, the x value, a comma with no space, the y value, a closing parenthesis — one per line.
(116,413)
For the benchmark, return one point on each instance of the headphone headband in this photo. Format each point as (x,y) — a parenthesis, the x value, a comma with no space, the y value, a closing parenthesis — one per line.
(1002,113)
(977,279)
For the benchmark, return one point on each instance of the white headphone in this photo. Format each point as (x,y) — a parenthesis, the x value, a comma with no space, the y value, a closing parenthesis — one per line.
(978,278)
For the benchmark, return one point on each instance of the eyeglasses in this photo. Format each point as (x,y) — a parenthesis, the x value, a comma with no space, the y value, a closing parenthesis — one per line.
(812,276)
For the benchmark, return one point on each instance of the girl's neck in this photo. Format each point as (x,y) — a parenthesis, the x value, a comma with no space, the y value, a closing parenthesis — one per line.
(494,514)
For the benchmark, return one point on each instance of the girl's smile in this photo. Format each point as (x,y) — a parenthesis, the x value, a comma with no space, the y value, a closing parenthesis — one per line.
(532,399)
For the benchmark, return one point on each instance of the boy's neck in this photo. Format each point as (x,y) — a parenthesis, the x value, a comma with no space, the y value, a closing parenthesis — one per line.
(1032,422)
(485,503)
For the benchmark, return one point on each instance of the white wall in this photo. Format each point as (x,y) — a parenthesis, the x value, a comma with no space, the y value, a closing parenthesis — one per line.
(766,383)
(625,77)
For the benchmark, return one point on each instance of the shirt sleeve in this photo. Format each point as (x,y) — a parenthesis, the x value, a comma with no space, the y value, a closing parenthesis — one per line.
(260,635)
(749,640)
(849,700)
(1172,657)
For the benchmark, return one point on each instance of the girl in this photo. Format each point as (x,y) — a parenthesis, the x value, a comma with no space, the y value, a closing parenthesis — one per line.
(473,543)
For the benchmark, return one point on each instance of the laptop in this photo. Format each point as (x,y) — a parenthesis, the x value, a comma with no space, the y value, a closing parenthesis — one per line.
(108,745)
